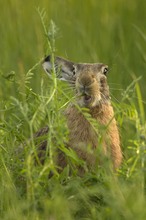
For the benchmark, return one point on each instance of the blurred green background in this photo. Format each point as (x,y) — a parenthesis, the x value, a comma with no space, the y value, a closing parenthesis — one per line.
(112,32)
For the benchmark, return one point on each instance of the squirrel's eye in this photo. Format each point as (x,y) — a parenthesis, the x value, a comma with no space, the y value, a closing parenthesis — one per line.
(105,71)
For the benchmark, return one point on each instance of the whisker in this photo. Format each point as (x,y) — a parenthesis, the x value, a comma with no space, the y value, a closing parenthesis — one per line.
(102,95)
(72,89)
(104,98)
(114,83)
(67,88)
(115,98)
(71,81)
(116,89)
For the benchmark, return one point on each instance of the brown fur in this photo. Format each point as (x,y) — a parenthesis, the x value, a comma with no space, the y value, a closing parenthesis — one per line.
(82,133)
(92,92)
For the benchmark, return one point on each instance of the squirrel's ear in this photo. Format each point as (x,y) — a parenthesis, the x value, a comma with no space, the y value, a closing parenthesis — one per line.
(47,66)
(64,68)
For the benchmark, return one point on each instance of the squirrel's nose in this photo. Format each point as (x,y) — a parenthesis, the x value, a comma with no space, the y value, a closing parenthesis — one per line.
(85,81)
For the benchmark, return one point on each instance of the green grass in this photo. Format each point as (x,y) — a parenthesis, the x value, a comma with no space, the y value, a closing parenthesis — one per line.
(87,31)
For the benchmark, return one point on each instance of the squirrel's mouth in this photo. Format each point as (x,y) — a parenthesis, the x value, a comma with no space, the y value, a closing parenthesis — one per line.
(87,99)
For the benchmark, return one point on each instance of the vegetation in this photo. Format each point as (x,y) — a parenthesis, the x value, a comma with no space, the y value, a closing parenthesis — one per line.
(83,31)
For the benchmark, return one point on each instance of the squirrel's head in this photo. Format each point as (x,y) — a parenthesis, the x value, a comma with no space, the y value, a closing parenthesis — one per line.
(90,80)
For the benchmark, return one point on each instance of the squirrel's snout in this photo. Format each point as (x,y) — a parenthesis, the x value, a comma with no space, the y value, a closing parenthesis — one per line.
(84,84)
(86,81)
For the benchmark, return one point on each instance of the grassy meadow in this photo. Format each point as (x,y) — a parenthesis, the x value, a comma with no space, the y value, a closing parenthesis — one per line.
(112,32)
